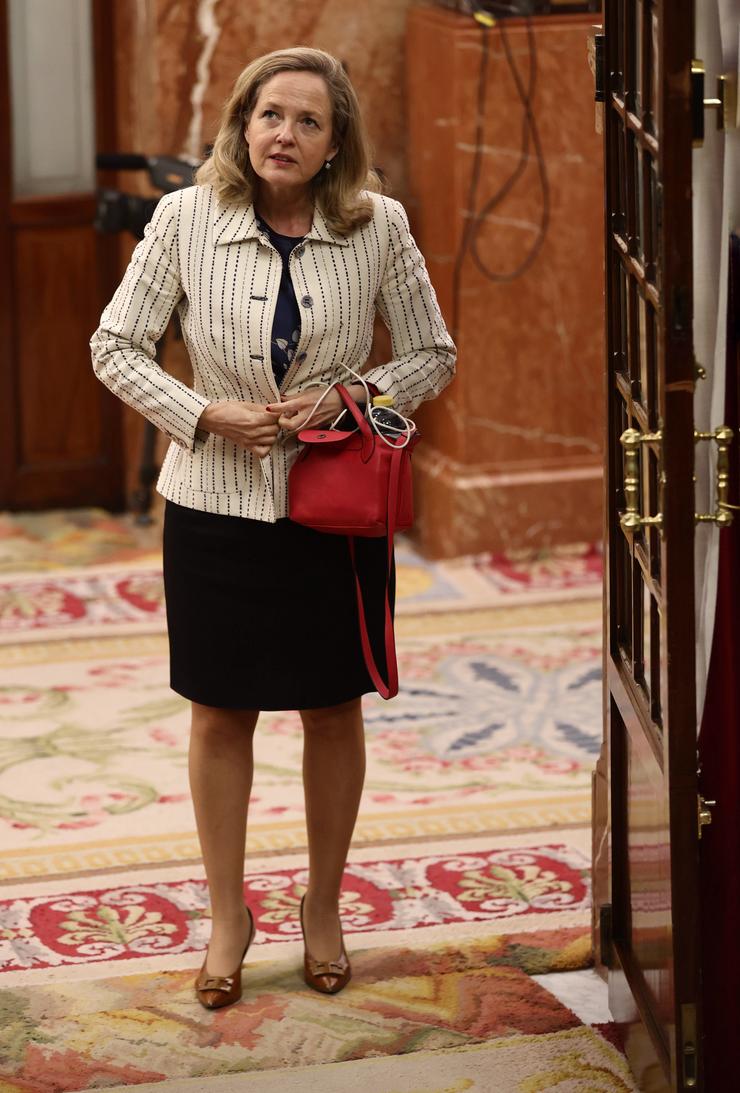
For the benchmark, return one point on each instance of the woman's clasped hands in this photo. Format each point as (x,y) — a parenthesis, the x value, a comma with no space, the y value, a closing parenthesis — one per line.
(301,410)
(256,427)
(246,423)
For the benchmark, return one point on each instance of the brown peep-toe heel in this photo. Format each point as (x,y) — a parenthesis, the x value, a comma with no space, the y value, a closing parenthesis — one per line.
(214,991)
(327,976)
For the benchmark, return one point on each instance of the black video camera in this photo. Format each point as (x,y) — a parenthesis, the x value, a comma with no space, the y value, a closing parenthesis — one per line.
(118,211)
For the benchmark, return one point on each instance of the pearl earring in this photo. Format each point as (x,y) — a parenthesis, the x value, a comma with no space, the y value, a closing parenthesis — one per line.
(327,165)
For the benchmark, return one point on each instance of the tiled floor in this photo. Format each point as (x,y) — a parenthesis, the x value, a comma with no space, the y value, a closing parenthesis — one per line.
(584,993)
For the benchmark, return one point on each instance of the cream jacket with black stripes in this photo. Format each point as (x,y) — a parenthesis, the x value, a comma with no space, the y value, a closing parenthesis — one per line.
(212,263)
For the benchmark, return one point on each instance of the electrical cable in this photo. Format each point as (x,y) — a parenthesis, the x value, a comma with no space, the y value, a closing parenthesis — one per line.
(475,221)
(529,126)
(470,222)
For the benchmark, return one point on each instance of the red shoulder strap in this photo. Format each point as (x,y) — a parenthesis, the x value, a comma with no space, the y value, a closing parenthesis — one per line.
(389,689)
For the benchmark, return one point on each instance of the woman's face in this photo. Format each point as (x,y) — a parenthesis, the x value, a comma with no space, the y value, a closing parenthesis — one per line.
(289,132)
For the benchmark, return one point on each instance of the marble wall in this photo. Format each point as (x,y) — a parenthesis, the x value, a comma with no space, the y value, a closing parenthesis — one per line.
(513,453)
(177,61)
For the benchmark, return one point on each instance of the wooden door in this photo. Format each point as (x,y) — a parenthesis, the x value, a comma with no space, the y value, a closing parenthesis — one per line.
(648,908)
(60,439)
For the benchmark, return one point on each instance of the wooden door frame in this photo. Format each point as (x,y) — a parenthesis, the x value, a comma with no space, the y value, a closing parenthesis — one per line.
(678,748)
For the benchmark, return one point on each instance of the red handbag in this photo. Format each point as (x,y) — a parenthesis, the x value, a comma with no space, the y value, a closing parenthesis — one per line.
(355,482)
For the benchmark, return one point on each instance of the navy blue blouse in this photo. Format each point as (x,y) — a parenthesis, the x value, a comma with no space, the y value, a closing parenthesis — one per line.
(286,326)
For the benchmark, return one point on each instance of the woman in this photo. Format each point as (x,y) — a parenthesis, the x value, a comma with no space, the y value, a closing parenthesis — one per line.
(276,260)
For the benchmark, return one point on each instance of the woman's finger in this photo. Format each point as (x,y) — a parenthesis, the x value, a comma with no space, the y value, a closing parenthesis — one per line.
(293,426)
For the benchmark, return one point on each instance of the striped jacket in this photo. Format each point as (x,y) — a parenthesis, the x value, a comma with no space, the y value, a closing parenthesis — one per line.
(213,263)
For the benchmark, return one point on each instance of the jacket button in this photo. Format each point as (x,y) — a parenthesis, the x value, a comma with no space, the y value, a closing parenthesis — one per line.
(299,252)
(307,301)
(302,356)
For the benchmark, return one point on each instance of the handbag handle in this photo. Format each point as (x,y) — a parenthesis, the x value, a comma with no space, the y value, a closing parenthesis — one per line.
(368,440)
(353,408)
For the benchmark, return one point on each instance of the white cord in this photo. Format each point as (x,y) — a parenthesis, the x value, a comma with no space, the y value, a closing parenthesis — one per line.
(408,429)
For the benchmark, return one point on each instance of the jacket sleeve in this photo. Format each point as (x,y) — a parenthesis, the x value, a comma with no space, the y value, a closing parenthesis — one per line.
(124,345)
(423,351)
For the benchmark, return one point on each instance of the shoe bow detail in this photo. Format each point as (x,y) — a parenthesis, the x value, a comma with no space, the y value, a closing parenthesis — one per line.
(327,967)
(216,983)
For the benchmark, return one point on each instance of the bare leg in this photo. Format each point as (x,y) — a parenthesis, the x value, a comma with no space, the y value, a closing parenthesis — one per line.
(333,777)
(221,767)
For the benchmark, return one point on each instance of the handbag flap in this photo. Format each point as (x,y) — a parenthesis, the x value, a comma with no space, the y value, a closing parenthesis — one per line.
(325,436)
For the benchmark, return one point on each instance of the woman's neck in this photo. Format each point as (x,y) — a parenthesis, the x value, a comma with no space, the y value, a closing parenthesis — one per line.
(287,211)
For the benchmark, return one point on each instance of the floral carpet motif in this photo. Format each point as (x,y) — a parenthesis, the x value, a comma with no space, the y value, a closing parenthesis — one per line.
(125,600)
(564,569)
(482,721)
(148,919)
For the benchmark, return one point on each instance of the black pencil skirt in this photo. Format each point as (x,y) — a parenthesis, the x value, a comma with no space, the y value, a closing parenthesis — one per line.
(264,616)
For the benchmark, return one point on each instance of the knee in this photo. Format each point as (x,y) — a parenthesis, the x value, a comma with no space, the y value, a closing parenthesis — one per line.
(334,721)
(216,722)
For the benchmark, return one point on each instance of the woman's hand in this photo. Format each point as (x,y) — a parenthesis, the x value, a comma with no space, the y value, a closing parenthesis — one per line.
(296,410)
(249,425)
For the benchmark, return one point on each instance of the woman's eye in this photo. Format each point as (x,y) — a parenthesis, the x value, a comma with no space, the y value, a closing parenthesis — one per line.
(266,112)
(310,121)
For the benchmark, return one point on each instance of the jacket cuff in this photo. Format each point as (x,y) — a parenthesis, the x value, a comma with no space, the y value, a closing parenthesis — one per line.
(192,439)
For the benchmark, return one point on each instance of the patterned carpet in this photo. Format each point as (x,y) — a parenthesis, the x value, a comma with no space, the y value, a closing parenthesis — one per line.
(47,588)
(401,1000)
(465,902)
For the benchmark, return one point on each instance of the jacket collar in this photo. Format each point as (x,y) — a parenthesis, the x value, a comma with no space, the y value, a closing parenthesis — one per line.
(234,223)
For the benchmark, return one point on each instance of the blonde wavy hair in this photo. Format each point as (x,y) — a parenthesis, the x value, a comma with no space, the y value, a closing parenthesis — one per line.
(336,192)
